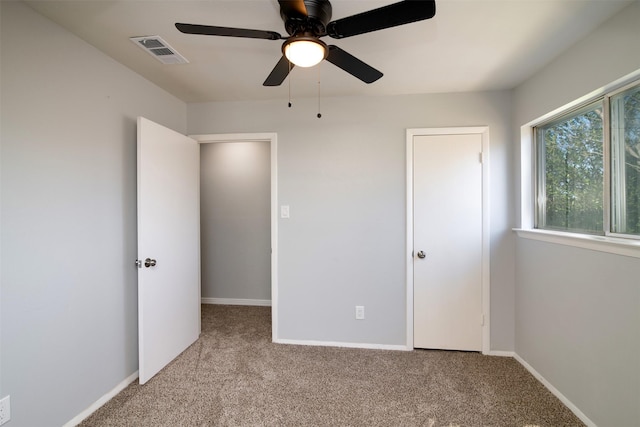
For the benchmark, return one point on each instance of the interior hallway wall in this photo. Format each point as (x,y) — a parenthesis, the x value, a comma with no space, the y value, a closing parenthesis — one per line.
(68,176)
(235,194)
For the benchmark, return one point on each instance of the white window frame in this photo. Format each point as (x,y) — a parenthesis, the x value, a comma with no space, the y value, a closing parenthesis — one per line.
(539,162)
(615,157)
(610,242)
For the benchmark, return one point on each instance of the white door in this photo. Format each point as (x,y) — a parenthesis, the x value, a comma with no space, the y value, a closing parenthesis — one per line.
(168,246)
(447,264)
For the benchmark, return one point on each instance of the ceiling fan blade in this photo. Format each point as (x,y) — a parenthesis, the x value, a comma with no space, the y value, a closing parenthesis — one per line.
(293,8)
(209,30)
(279,72)
(400,13)
(352,65)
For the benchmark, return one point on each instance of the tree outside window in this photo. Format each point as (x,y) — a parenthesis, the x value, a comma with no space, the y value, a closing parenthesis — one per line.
(572,176)
(572,167)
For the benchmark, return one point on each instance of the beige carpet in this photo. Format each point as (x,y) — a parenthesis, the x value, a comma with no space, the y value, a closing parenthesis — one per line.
(234,376)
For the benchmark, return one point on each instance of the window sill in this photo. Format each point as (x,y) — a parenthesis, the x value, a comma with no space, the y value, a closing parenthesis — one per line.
(612,245)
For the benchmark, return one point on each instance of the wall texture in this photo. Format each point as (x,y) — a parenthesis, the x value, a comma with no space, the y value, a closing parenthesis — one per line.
(578,310)
(577,321)
(68,294)
(344,178)
(235,205)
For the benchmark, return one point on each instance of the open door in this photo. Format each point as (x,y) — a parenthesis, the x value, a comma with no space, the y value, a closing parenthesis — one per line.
(168,246)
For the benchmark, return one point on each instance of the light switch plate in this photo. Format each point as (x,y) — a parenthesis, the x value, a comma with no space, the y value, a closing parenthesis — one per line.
(5,409)
(284,211)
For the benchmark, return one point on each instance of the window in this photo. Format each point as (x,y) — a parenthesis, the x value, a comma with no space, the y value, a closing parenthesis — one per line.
(625,161)
(577,153)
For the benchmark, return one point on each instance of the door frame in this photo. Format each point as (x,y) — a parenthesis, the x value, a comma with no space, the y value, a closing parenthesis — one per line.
(272,139)
(483,131)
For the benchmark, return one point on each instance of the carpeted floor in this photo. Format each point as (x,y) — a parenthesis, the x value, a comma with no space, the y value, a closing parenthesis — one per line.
(234,376)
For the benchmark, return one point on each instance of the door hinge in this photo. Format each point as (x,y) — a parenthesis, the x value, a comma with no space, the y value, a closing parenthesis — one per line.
(481,158)
(482,320)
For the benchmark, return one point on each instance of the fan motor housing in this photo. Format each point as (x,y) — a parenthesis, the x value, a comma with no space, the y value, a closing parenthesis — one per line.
(318,16)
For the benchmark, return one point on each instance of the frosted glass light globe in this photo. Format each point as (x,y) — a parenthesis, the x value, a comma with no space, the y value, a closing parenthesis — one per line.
(305,53)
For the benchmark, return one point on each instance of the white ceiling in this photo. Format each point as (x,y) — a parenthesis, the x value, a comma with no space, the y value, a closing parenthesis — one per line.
(470,45)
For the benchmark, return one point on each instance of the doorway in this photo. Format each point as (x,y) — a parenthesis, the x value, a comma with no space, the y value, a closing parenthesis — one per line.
(448,239)
(255,139)
(235,223)
(168,261)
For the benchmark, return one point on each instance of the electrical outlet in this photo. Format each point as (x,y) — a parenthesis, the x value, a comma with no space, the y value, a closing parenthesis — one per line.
(5,409)
(359,312)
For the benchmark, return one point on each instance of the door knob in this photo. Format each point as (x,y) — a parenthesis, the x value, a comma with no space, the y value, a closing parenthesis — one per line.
(149,262)
(421,255)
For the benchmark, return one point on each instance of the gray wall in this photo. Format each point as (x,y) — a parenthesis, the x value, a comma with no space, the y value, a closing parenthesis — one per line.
(68,197)
(344,178)
(235,204)
(69,293)
(578,317)
(578,310)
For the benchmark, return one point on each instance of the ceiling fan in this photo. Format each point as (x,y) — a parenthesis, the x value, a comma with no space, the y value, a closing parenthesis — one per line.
(306,21)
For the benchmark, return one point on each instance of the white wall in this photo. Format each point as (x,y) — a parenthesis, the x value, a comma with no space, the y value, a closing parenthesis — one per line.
(235,217)
(578,311)
(68,290)
(344,178)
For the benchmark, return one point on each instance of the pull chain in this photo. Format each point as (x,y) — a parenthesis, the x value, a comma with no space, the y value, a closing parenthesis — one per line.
(289,79)
(319,114)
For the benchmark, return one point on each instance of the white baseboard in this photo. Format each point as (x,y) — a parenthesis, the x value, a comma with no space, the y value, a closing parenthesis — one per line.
(501,353)
(343,344)
(573,408)
(236,301)
(556,392)
(104,399)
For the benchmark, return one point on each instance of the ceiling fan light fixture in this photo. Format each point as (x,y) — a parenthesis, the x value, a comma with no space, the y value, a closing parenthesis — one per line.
(304,51)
